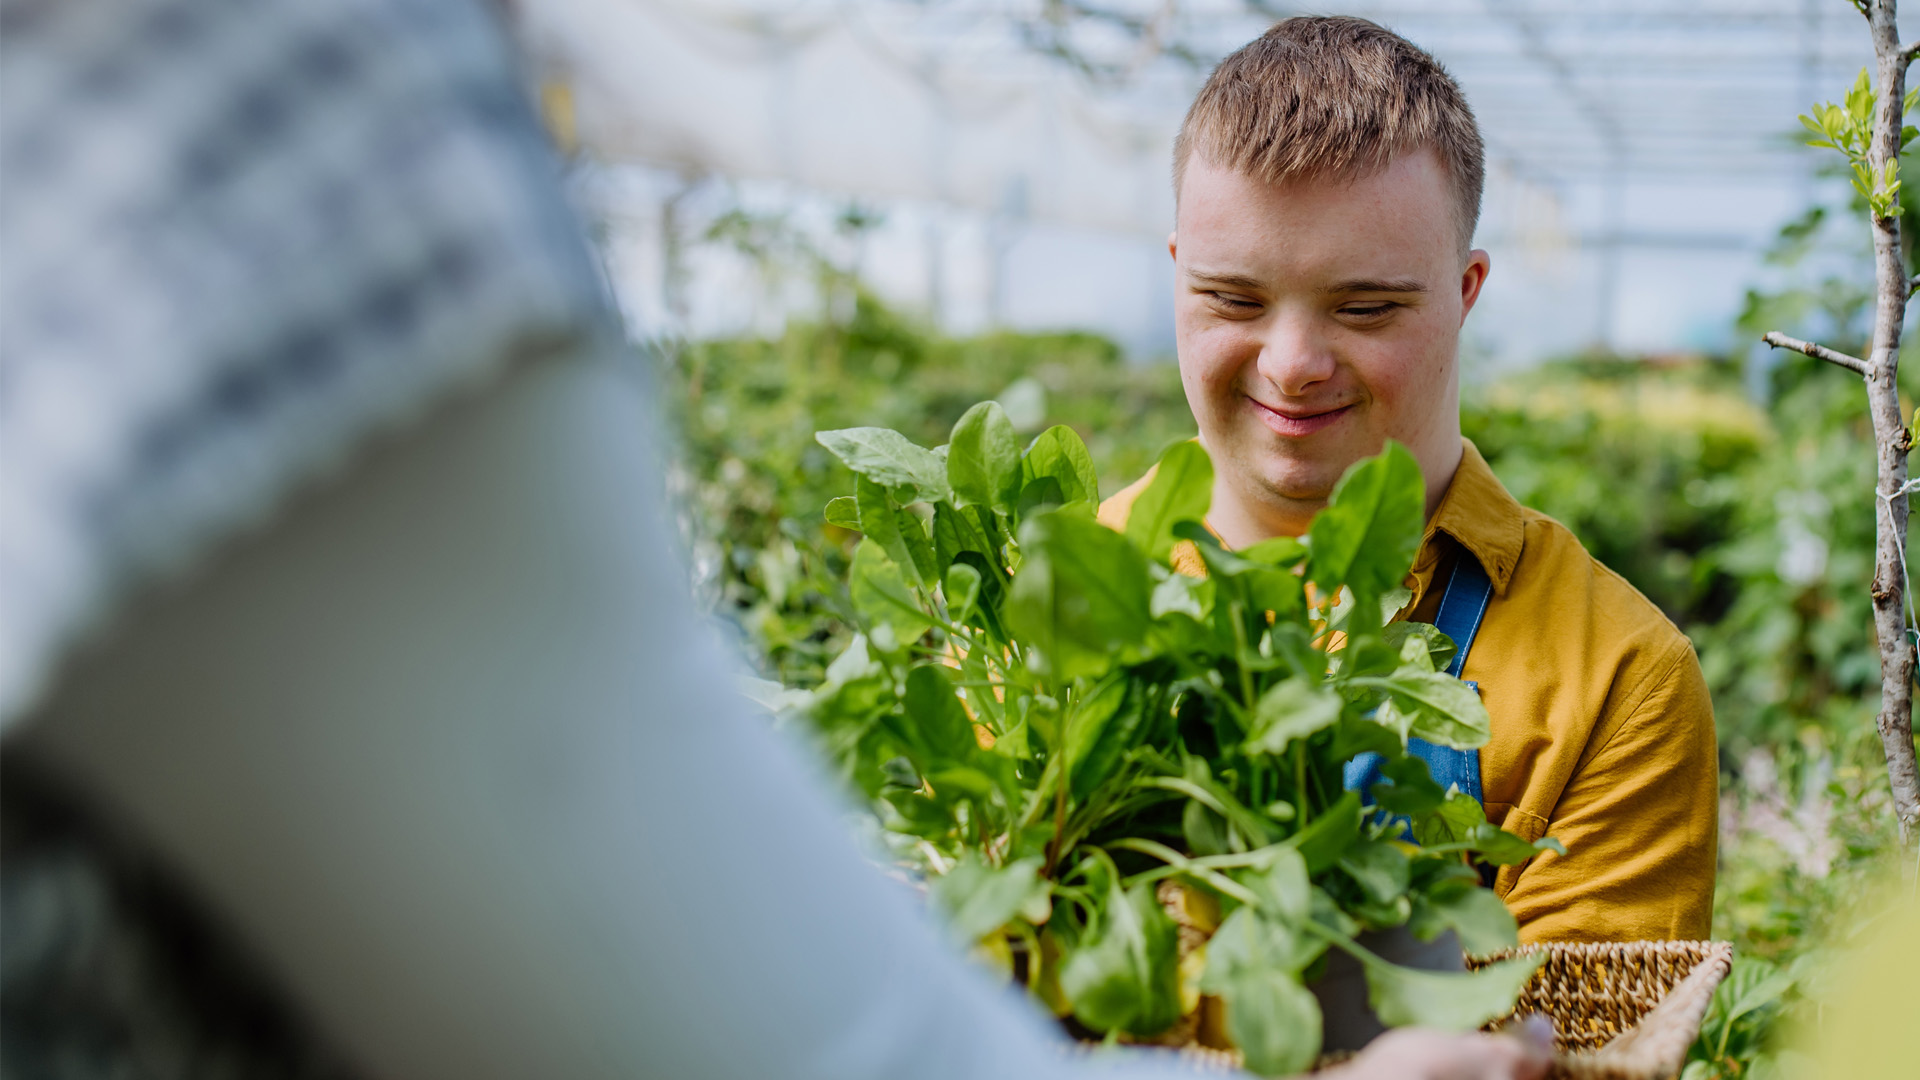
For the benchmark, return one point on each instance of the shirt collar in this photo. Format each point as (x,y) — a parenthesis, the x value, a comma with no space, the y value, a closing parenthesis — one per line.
(1479,513)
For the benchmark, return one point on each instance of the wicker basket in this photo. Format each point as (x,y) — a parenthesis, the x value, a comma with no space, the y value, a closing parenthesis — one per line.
(1621,1011)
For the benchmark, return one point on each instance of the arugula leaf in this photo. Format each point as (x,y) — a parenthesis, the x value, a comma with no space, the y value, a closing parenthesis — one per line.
(1273,1019)
(1431,705)
(937,725)
(1058,454)
(898,530)
(1323,842)
(979,899)
(844,512)
(1181,490)
(1451,822)
(1254,964)
(1365,538)
(1081,596)
(1409,788)
(1380,869)
(961,588)
(881,594)
(1502,848)
(1293,709)
(1282,886)
(983,458)
(1450,1001)
(1478,916)
(889,459)
(1125,976)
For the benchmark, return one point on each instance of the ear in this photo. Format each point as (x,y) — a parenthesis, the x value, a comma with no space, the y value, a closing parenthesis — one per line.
(1479,265)
(1173,245)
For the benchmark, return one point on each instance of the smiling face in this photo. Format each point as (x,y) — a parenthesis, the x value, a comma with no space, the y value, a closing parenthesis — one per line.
(1315,320)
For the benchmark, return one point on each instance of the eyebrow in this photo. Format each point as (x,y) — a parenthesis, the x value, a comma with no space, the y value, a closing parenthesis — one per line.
(1356,285)
(1366,285)
(1233,281)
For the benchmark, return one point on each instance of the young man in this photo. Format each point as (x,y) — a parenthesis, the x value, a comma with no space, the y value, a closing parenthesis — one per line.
(1328,180)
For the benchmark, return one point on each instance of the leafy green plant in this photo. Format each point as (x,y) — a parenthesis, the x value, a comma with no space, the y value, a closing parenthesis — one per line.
(1732,1037)
(1051,721)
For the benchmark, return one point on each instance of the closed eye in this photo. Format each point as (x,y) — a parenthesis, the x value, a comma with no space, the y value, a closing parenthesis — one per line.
(1232,303)
(1368,311)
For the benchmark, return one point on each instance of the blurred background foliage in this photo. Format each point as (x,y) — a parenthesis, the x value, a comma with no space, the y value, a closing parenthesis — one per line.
(1735,492)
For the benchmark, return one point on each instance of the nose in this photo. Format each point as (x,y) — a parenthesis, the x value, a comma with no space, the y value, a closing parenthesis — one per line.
(1294,354)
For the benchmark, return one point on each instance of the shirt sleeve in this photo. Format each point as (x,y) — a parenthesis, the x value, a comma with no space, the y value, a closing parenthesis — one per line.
(1639,820)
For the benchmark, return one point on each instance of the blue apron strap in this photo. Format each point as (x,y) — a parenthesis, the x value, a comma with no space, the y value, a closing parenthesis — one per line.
(1462,607)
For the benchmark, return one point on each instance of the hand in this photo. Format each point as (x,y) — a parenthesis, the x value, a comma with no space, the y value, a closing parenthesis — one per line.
(1522,1053)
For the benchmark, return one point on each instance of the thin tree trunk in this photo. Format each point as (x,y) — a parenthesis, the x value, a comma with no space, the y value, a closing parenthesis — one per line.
(1890,433)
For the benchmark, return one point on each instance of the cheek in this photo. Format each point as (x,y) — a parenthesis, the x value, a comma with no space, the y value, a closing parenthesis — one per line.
(1409,373)
(1212,352)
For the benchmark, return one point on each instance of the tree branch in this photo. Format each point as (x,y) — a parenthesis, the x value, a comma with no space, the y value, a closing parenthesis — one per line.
(1909,51)
(1893,284)
(1819,352)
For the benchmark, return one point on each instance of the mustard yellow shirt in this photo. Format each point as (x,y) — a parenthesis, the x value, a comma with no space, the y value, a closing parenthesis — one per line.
(1602,728)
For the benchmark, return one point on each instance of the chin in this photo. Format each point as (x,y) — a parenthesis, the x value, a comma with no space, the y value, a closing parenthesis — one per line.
(1299,481)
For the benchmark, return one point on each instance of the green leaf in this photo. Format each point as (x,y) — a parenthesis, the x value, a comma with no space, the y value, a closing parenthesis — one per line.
(1409,788)
(1058,453)
(936,727)
(1751,984)
(1292,709)
(1189,596)
(1125,977)
(1477,916)
(978,899)
(897,530)
(1082,596)
(844,512)
(1282,886)
(1450,1001)
(983,458)
(1273,1019)
(1090,731)
(880,592)
(1451,822)
(961,588)
(1323,841)
(1204,831)
(889,459)
(1439,647)
(1251,939)
(1181,490)
(1253,966)
(1275,589)
(1503,848)
(1276,551)
(1433,706)
(1380,869)
(1366,537)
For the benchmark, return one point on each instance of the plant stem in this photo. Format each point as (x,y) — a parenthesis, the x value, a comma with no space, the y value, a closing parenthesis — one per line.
(1172,858)
(1059,806)
(1304,808)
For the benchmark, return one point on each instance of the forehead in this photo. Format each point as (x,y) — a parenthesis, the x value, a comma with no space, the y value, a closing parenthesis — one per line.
(1398,220)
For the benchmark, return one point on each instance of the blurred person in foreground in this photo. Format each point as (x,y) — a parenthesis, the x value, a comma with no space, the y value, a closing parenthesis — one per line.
(357,717)
(1328,180)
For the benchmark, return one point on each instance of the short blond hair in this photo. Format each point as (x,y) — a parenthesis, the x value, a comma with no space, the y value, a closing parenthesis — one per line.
(1333,97)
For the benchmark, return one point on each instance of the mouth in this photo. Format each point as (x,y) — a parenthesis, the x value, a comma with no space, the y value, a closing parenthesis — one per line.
(1295,423)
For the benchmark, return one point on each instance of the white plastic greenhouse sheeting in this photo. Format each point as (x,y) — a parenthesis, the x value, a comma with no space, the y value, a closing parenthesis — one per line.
(1640,154)
(840,98)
